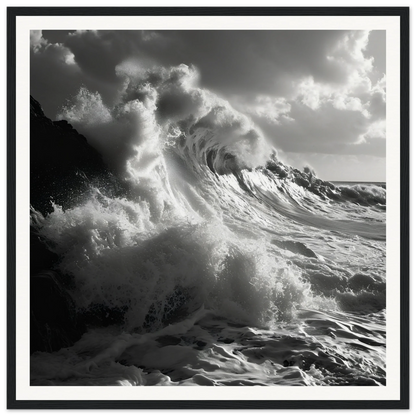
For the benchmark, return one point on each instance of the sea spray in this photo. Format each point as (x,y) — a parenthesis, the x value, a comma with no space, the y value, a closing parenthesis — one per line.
(121,260)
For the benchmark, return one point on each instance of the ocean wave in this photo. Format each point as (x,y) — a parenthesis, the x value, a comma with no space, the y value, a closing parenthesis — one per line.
(212,252)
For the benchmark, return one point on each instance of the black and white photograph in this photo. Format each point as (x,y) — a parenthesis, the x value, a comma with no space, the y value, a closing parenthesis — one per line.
(208,207)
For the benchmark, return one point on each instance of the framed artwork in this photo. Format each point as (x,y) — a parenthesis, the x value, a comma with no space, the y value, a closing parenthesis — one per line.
(219,208)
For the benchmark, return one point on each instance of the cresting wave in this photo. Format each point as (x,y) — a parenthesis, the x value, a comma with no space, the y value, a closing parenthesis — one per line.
(214,236)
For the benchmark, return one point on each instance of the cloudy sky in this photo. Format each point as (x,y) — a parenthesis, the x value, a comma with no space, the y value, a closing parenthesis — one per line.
(318,96)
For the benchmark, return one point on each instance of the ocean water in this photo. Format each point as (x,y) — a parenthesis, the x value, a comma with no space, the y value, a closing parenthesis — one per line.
(223,268)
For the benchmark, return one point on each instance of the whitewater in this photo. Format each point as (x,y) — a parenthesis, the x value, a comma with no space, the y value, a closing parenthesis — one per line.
(221,265)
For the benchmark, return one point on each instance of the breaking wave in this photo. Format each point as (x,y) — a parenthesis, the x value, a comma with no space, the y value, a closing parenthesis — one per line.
(217,253)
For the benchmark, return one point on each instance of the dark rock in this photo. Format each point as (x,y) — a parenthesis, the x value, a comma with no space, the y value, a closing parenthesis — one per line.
(176,307)
(36,109)
(324,189)
(53,321)
(350,193)
(41,257)
(63,166)
(318,190)
(63,124)
(301,181)
(283,174)
(309,171)
(277,168)
(98,315)
(63,169)
(329,185)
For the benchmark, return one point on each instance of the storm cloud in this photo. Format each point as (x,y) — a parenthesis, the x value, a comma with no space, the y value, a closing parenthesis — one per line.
(310,92)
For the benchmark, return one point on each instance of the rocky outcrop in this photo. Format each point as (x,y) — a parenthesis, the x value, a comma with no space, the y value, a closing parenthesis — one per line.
(359,194)
(54,323)
(306,179)
(63,166)
(41,257)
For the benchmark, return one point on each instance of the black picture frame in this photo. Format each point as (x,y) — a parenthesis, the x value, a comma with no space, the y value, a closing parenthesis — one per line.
(12,290)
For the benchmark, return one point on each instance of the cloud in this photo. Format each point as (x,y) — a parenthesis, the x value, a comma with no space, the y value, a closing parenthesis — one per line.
(309,91)
(272,109)
(375,131)
(323,130)
(229,61)
(257,62)
(327,117)
(98,53)
(377,100)
(356,90)
(36,40)
(54,75)
(58,70)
